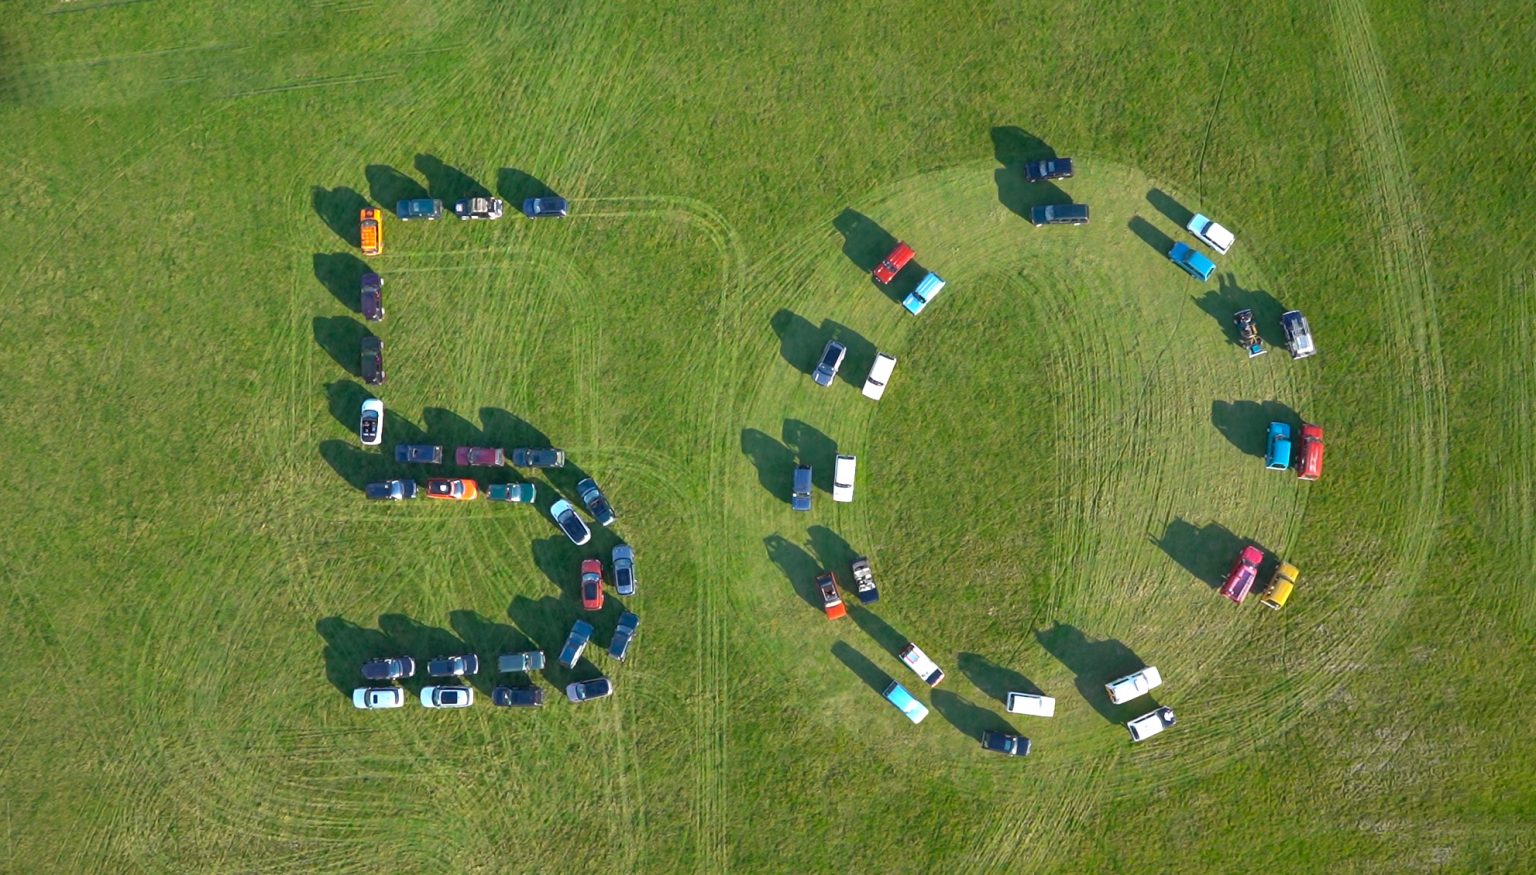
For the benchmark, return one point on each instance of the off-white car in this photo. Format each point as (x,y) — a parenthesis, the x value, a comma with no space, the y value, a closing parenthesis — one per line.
(921,665)
(1134,685)
(1150,724)
(842,478)
(1029,703)
(879,375)
(370,425)
(1211,234)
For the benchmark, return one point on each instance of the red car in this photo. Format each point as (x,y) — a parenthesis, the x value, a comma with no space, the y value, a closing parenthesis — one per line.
(1244,572)
(591,585)
(893,263)
(1310,465)
(452,489)
(485,456)
(831,599)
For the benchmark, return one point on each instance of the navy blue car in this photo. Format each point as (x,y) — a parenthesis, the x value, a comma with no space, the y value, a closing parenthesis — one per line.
(391,490)
(372,303)
(545,207)
(1050,168)
(419,208)
(420,454)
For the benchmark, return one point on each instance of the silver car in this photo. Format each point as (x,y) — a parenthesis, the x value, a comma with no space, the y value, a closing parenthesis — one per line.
(831,360)
(583,691)
(372,698)
(624,569)
(447,697)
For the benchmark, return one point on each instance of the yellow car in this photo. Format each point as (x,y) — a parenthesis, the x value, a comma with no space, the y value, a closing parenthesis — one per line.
(371,232)
(1280,586)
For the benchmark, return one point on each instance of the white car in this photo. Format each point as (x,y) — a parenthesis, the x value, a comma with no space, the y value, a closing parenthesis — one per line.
(371,698)
(447,697)
(879,375)
(1211,234)
(370,426)
(842,478)
(1150,724)
(1133,685)
(921,665)
(1029,703)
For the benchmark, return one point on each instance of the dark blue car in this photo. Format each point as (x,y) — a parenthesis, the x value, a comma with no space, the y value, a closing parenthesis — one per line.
(419,208)
(390,490)
(419,454)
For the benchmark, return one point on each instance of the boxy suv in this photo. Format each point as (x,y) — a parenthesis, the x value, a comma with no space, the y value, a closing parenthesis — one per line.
(1059,214)
(800,497)
(842,478)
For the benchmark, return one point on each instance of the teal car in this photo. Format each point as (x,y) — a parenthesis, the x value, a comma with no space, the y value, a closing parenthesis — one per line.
(522,493)
(905,702)
(1278,456)
(926,291)
(1192,262)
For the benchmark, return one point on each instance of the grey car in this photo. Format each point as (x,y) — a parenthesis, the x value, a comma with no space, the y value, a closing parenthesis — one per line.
(390,490)
(420,454)
(372,361)
(1005,743)
(518,697)
(623,635)
(545,207)
(624,569)
(583,691)
(831,360)
(527,660)
(389,668)
(538,457)
(596,502)
(1059,214)
(800,497)
(454,666)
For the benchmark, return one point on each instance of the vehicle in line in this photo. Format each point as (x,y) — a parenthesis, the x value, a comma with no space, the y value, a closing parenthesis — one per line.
(1058,214)
(566,518)
(892,264)
(1310,465)
(624,569)
(591,585)
(370,423)
(1005,743)
(800,490)
(1248,333)
(921,665)
(523,660)
(1298,334)
(879,375)
(1245,571)
(925,292)
(575,643)
(1048,169)
(1032,704)
(596,502)
(457,666)
(1150,724)
(1281,583)
(371,297)
(864,581)
(831,359)
(831,599)
(480,457)
(519,493)
(1191,261)
(1134,685)
(538,457)
(842,477)
(478,208)
(545,207)
(390,490)
(389,668)
(419,454)
(1277,453)
(905,702)
(452,488)
(376,698)
(518,697)
(453,696)
(372,361)
(370,231)
(424,208)
(586,691)
(623,635)
(1207,231)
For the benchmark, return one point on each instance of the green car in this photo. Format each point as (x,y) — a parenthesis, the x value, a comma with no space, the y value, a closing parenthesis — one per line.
(521,493)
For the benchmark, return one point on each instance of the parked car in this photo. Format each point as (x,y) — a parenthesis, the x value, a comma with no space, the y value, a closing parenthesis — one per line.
(1050,168)
(370,232)
(390,490)
(1280,586)
(831,359)
(879,375)
(624,569)
(831,598)
(389,668)
(1058,214)
(458,666)
(892,264)
(429,209)
(1211,234)
(1310,465)
(800,488)
(372,361)
(1134,686)
(1192,262)
(585,691)
(566,518)
(419,454)
(518,697)
(374,698)
(842,478)
(452,488)
(1243,574)
(478,208)
(1032,704)
(1298,334)
(538,457)
(1248,333)
(371,298)
(921,665)
(925,292)
(905,702)
(545,207)
(1150,724)
(1277,454)
(575,643)
(482,457)
(447,697)
(370,424)
(524,660)
(623,635)
(519,493)
(591,585)
(1005,743)
(864,581)
(596,502)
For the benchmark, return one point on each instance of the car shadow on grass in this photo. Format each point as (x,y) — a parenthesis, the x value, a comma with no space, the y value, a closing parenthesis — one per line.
(774,462)
(1095,663)
(1171,209)
(812,447)
(1206,552)
(861,667)
(489,640)
(797,565)
(515,186)
(339,209)
(342,338)
(347,647)
(341,273)
(865,243)
(799,342)
(359,467)
(345,399)
(871,623)
(1228,298)
(971,719)
(832,551)
(547,622)
(425,643)
(448,183)
(1151,235)
(1013,147)
(995,681)
(388,186)
(1245,424)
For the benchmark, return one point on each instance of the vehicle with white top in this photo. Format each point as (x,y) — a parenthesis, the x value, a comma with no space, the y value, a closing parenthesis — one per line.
(1211,234)
(831,359)
(374,698)
(842,478)
(447,697)
(1298,334)
(921,665)
(879,375)
(370,426)
(864,581)
(1134,685)
(1150,724)
(1032,704)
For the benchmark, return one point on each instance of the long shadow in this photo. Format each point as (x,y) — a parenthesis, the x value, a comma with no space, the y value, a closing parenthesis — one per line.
(1151,235)
(1228,298)
(864,241)
(345,399)
(1206,552)
(338,208)
(389,186)
(872,625)
(424,643)
(347,647)
(995,680)
(860,665)
(515,186)
(1019,195)
(506,429)
(859,357)
(1013,146)
(832,551)
(1095,663)
(446,182)
(489,640)
(341,274)
(358,466)
(547,622)
(399,430)
(1245,424)
(560,562)
(563,481)
(452,430)
(797,565)
(813,448)
(342,337)
(972,720)
(774,462)
(799,342)
(1174,211)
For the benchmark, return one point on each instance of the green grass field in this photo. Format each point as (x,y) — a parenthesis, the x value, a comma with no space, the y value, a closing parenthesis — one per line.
(1068,457)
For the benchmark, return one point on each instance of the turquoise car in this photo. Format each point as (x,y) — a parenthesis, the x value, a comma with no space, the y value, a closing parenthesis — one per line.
(521,493)
(908,704)
(1193,263)
(926,291)
(1278,456)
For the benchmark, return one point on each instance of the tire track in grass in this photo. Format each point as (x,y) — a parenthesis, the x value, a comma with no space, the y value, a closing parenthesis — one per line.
(1519,496)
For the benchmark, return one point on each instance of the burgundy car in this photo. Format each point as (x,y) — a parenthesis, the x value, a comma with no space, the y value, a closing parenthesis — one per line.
(480,456)
(373,297)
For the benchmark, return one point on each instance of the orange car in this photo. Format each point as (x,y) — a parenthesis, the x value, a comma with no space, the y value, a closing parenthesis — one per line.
(831,599)
(452,488)
(371,232)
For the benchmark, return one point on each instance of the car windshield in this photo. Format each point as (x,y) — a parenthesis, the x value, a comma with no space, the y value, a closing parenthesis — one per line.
(830,356)
(571,524)
(621,574)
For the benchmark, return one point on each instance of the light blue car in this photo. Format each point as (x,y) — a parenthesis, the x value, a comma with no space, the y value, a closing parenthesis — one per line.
(1278,457)
(897,695)
(1193,263)
(926,291)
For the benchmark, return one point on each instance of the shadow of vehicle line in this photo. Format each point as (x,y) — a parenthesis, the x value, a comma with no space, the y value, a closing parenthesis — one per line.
(347,647)
(1151,235)
(798,566)
(774,463)
(1094,662)
(971,720)
(339,209)
(995,681)
(862,668)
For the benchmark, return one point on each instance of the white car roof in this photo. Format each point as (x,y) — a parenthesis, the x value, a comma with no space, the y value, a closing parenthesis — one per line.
(842,478)
(1030,703)
(1146,726)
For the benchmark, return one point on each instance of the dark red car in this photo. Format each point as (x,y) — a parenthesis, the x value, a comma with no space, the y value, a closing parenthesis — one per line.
(480,456)
(1310,465)
(886,270)
(1244,572)
(373,297)
(591,584)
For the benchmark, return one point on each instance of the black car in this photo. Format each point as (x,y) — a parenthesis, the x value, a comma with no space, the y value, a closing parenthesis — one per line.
(420,454)
(373,361)
(597,503)
(454,666)
(518,697)
(391,490)
(1050,168)
(389,668)
(1005,743)
(1059,214)
(373,297)
(538,457)
(623,635)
